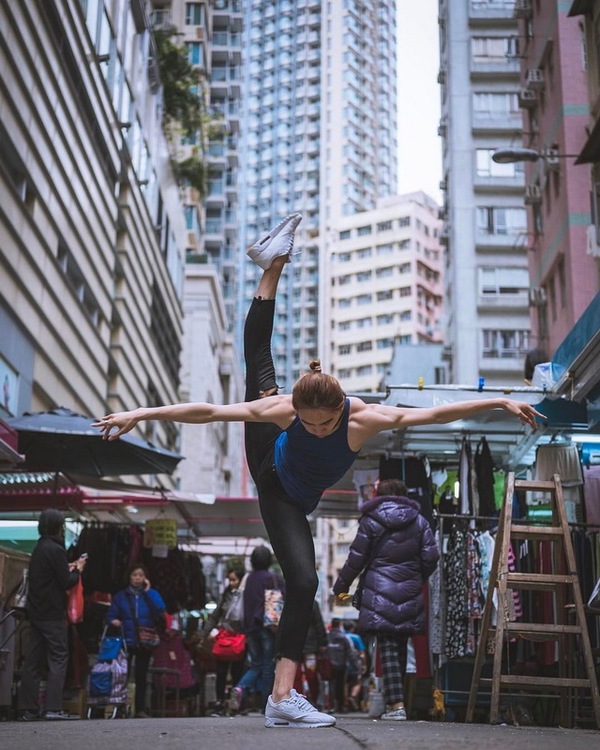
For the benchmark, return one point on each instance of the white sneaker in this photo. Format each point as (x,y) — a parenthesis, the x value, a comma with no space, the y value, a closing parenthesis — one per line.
(396,714)
(296,712)
(279,241)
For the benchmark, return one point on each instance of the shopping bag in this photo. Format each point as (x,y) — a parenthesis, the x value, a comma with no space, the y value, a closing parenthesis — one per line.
(108,679)
(273,607)
(229,646)
(20,598)
(110,645)
(75,602)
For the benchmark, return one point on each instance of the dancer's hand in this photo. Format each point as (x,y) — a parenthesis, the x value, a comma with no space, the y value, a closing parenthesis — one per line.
(121,421)
(525,412)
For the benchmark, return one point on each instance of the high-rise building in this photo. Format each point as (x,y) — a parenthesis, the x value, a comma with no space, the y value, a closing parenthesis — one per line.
(384,280)
(211,33)
(486,235)
(318,136)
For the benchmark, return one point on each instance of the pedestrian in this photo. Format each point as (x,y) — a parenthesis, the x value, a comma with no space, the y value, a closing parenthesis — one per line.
(395,547)
(357,666)
(315,648)
(134,606)
(50,575)
(227,672)
(260,638)
(339,650)
(297,446)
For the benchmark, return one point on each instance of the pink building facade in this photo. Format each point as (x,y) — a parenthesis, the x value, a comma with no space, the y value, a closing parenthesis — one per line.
(554,96)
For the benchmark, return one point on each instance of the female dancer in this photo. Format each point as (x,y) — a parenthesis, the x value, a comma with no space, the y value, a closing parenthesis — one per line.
(297,446)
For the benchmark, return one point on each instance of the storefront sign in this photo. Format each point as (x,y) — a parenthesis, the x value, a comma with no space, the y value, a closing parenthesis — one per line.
(160,532)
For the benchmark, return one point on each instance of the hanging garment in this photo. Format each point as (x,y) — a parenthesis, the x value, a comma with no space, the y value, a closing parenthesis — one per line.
(464,477)
(484,472)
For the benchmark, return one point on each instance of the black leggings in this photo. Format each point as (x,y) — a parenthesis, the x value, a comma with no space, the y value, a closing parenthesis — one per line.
(287,526)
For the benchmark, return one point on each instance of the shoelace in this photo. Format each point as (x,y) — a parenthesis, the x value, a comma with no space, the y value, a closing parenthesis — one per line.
(303,703)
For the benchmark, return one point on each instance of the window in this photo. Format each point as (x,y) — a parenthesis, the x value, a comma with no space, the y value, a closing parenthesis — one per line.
(385,249)
(364,299)
(504,221)
(344,257)
(406,315)
(384,295)
(386,343)
(405,291)
(345,235)
(364,346)
(505,344)
(193,14)
(364,252)
(363,275)
(487,167)
(364,322)
(344,349)
(196,53)
(497,281)
(344,325)
(344,302)
(493,49)
(364,230)
(385,319)
(364,370)
(384,226)
(383,272)
(495,106)
(404,221)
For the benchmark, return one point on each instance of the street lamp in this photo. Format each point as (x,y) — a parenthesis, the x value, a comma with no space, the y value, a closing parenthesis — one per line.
(513,155)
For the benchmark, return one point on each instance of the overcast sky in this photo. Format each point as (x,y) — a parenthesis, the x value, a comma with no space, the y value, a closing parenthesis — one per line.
(419,146)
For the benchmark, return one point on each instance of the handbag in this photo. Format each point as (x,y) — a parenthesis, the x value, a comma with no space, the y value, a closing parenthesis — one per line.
(229,646)
(273,606)
(147,635)
(75,602)
(358,594)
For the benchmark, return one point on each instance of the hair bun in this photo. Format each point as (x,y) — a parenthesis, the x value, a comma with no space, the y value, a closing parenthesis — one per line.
(315,365)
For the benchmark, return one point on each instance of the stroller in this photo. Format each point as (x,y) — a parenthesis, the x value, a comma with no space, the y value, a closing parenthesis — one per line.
(108,677)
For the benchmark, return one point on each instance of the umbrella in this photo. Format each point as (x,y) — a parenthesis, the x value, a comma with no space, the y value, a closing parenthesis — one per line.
(61,440)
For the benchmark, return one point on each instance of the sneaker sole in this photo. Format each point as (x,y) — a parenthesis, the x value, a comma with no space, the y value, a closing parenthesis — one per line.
(255,251)
(283,723)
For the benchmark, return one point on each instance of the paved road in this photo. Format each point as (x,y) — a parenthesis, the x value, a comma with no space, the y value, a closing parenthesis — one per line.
(242,733)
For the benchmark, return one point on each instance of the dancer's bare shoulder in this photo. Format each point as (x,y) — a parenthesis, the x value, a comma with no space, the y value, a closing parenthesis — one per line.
(276,409)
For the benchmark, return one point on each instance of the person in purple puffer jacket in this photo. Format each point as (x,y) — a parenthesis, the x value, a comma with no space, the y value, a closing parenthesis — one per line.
(395,546)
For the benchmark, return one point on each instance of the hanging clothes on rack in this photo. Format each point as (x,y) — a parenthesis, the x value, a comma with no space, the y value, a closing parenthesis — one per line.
(484,472)
(563,460)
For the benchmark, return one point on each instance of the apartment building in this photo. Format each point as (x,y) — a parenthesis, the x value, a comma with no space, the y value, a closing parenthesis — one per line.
(385,281)
(318,136)
(488,331)
(554,80)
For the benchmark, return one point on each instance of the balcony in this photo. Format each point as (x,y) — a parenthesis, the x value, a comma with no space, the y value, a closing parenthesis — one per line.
(484,12)
(484,124)
(510,302)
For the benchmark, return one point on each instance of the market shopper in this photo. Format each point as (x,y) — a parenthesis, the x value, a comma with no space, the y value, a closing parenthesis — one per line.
(297,446)
(395,547)
(227,671)
(260,637)
(50,576)
(137,605)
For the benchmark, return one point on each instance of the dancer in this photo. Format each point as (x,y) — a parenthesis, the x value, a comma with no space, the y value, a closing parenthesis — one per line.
(297,446)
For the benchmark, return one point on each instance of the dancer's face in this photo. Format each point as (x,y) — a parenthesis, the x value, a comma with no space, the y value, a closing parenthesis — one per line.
(321,422)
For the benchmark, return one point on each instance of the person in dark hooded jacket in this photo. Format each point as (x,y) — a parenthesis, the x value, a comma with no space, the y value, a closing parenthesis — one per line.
(50,576)
(400,546)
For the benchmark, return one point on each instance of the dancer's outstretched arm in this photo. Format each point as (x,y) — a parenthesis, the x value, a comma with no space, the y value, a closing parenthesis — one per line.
(276,409)
(369,419)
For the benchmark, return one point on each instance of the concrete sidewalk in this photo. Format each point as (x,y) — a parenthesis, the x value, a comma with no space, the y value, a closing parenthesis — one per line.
(241,733)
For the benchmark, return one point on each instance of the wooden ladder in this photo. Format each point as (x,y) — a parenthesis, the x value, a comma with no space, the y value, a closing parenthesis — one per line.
(563,582)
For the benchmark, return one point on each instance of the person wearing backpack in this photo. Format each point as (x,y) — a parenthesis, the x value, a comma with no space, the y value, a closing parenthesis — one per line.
(395,547)
(339,648)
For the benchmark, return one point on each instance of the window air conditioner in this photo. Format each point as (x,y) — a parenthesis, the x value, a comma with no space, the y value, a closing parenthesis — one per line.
(537,296)
(551,158)
(533,195)
(522,9)
(527,98)
(534,78)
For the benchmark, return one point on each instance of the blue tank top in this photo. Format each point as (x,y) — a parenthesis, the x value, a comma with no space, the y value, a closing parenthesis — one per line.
(307,465)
